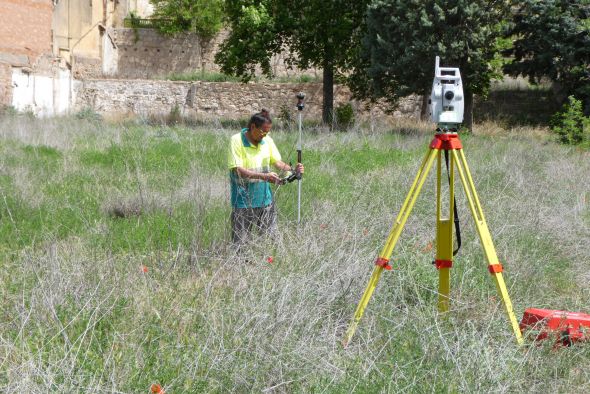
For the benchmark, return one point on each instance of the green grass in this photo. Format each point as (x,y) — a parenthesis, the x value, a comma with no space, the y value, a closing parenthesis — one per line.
(86,205)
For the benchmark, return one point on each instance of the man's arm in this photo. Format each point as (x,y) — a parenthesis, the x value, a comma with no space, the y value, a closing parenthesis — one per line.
(280,165)
(265,176)
(286,167)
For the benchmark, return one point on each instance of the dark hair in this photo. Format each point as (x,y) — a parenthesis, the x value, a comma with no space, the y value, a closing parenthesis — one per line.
(264,112)
(258,120)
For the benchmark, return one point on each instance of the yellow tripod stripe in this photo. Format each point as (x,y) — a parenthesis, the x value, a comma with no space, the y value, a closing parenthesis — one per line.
(408,205)
(394,235)
(444,235)
(485,237)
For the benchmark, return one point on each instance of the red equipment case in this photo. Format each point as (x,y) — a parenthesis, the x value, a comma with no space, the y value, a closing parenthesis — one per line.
(566,327)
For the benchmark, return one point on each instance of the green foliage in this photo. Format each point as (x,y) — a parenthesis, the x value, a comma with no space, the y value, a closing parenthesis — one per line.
(403,38)
(8,110)
(209,76)
(344,116)
(175,116)
(202,76)
(286,114)
(315,33)
(133,21)
(204,17)
(301,78)
(88,113)
(552,39)
(571,126)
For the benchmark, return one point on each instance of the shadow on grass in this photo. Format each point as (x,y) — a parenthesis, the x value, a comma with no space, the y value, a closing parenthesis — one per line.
(532,107)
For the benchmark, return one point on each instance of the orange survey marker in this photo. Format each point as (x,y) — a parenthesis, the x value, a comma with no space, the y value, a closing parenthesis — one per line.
(565,327)
(157,389)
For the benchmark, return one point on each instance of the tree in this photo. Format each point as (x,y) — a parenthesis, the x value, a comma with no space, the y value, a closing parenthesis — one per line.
(204,17)
(552,39)
(404,36)
(314,33)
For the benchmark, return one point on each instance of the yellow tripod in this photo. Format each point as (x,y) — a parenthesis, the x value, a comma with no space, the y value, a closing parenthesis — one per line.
(443,141)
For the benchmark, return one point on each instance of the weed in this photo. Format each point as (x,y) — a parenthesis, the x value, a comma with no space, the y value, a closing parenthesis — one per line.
(89,114)
(344,116)
(175,116)
(570,124)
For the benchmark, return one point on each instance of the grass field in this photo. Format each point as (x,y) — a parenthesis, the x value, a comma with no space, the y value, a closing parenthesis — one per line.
(117,272)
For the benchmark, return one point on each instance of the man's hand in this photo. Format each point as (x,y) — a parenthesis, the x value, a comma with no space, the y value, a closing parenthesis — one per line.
(272,178)
(299,168)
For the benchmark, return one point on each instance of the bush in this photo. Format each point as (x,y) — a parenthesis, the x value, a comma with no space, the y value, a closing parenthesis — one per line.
(175,115)
(8,110)
(344,116)
(89,114)
(286,116)
(570,125)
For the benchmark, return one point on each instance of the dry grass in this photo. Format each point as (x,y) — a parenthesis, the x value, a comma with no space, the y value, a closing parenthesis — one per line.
(92,303)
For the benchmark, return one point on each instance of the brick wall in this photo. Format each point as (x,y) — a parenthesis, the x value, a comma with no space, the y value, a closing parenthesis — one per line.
(26,28)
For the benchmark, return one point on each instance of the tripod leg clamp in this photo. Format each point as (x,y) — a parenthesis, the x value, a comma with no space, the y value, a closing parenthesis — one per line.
(495,268)
(383,263)
(443,264)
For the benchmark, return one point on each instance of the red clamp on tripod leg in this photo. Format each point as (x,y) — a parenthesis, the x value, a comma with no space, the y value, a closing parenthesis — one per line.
(495,268)
(443,264)
(383,263)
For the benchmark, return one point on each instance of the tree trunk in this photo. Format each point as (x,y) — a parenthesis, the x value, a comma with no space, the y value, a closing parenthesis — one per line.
(468,111)
(425,110)
(328,90)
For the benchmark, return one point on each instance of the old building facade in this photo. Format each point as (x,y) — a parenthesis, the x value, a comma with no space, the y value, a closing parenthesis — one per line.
(58,56)
(47,44)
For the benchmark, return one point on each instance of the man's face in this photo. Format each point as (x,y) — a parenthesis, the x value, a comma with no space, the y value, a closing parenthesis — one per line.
(259,133)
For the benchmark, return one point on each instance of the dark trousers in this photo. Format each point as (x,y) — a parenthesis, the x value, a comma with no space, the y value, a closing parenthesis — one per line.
(243,219)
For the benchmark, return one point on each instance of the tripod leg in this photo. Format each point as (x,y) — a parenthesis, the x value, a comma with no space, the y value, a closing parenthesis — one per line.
(494,265)
(444,236)
(392,239)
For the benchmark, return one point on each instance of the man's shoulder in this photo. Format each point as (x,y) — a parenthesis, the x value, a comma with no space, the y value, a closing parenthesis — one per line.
(236,138)
(269,139)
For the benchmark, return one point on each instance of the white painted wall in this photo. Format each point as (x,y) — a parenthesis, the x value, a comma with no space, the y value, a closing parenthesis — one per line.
(62,92)
(110,54)
(43,95)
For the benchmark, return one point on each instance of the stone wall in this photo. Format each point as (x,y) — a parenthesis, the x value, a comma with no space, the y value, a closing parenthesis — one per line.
(146,54)
(211,99)
(86,67)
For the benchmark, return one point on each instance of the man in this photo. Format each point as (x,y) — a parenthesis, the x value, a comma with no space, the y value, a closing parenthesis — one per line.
(251,155)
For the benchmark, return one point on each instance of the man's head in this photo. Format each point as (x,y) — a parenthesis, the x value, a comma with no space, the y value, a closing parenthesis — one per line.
(259,126)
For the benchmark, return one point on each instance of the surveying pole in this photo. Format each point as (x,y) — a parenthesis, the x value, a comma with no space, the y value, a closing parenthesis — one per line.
(446,104)
(300,106)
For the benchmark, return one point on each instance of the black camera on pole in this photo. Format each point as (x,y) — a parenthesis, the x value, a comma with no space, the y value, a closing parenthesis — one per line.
(300,103)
